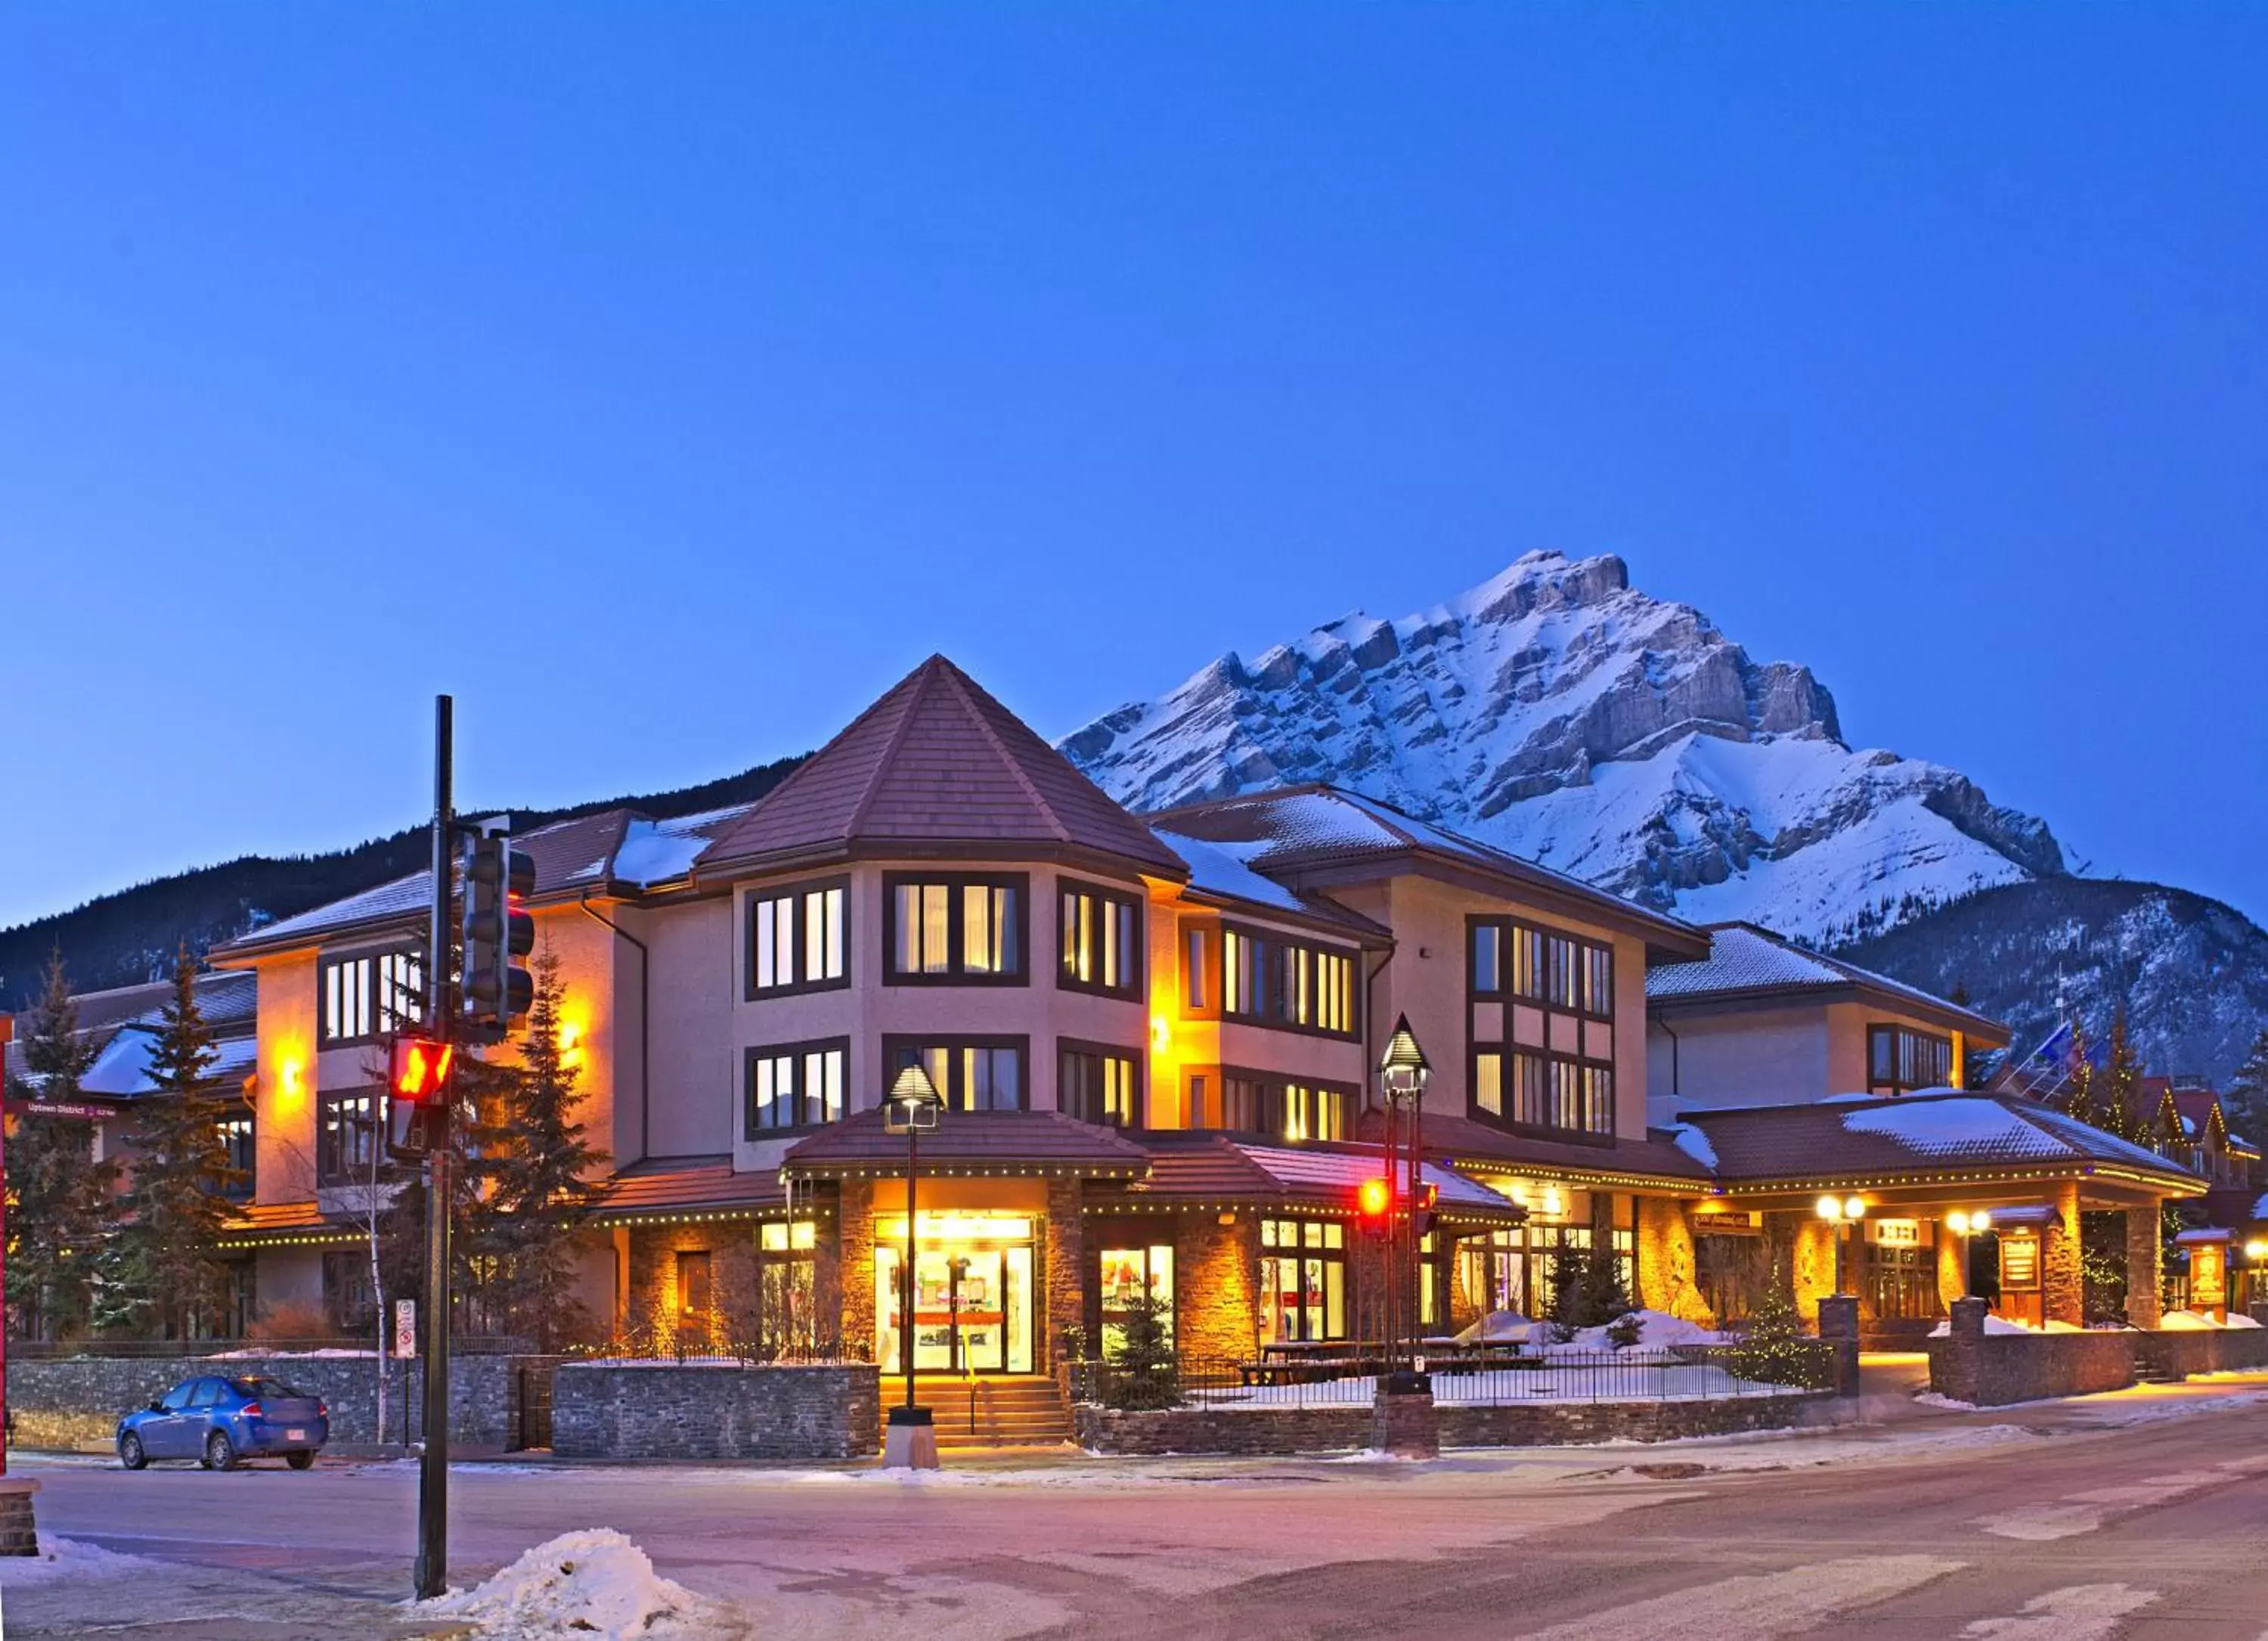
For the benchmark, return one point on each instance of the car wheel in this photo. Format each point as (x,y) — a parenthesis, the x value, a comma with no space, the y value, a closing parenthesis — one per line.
(130,1451)
(220,1453)
(301,1461)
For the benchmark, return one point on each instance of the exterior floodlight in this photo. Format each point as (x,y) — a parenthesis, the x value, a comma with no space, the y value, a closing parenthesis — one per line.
(1830,1208)
(1854,1208)
(1981,1220)
(2256,1249)
(1403,1071)
(1957,1222)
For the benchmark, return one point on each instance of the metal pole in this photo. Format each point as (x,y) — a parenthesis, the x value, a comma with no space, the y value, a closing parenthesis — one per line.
(432,1571)
(1418,1275)
(1387,1248)
(906,1304)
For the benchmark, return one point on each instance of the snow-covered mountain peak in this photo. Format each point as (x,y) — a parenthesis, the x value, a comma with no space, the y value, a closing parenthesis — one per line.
(1557,711)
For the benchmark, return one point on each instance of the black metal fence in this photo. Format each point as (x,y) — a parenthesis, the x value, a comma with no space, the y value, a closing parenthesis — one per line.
(1553,1374)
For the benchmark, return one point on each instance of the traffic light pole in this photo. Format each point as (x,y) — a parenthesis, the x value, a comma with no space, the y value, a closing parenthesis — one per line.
(432,1570)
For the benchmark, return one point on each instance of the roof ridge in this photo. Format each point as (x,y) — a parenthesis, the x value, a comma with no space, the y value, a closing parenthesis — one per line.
(963,684)
(919,680)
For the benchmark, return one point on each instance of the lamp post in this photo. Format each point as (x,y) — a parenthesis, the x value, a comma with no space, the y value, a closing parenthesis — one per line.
(1402,1076)
(910,1106)
(1841,1212)
(1965,1226)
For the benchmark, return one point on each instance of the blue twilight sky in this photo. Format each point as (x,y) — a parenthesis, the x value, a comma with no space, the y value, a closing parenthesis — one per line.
(748,353)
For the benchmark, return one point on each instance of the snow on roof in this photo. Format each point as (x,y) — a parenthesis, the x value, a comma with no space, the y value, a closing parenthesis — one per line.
(659,851)
(1694,1143)
(1220,868)
(121,1071)
(2260,1208)
(1743,957)
(1347,1170)
(1954,1127)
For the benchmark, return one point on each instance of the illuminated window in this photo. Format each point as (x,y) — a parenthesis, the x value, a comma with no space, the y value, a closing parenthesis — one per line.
(366,995)
(797,939)
(1302,1281)
(238,1147)
(1899,1061)
(1530,1088)
(1313,1112)
(1287,983)
(795,1085)
(970,1073)
(955,929)
(1102,940)
(350,1127)
(1243,1101)
(1097,1085)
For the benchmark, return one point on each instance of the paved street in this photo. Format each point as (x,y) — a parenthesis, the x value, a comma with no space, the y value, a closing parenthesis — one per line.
(2057,1524)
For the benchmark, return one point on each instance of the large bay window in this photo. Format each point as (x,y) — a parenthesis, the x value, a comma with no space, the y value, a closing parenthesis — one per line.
(1102,940)
(1292,985)
(797,941)
(1547,1065)
(793,1086)
(1270,1108)
(1535,1088)
(968,1073)
(955,928)
(365,995)
(1518,962)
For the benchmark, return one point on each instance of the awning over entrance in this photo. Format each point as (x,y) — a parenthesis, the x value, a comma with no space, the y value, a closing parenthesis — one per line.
(1198,1168)
(970,1144)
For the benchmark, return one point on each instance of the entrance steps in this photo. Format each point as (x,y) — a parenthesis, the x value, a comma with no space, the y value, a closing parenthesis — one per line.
(987,1409)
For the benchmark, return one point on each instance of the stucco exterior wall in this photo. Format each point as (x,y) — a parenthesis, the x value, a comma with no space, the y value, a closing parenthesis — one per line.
(283,1166)
(1741,1057)
(692,1108)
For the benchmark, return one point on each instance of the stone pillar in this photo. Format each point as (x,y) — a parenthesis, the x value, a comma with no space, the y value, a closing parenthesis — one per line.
(1952,1265)
(17,1534)
(1803,1252)
(1402,1422)
(1066,1275)
(2145,1267)
(1216,1284)
(2063,1295)
(854,1234)
(1666,1263)
(1838,1328)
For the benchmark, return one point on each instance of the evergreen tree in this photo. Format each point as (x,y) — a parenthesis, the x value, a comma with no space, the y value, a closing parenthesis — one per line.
(1772,1349)
(2245,1104)
(59,1201)
(1144,1356)
(2117,1088)
(161,1273)
(533,1168)
(2078,1092)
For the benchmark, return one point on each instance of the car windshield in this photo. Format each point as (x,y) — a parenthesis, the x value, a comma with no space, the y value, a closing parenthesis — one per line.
(256,1389)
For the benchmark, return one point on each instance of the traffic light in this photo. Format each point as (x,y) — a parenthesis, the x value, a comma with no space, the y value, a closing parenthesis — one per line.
(420,1070)
(1422,1205)
(1374,1203)
(497,935)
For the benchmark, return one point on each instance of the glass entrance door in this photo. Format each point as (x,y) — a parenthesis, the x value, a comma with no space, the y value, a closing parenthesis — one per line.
(972,1306)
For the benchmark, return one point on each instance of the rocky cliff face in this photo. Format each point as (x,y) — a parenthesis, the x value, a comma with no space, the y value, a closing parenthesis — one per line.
(1557,712)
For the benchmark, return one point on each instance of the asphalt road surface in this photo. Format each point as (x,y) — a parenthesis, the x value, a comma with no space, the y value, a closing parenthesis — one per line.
(2056,1525)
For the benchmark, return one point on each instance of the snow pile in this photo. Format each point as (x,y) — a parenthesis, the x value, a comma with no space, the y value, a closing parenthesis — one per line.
(594,1582)
(1498,1327)
(2197,1321)
(67,1558)
(1992,1325)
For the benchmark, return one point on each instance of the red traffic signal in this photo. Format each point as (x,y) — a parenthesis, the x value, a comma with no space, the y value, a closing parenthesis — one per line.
(1375,1202)
(420,1071)
(1422,1206)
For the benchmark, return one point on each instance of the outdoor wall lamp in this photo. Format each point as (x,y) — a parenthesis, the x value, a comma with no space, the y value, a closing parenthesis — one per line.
(1965,1225)
(1841,1212)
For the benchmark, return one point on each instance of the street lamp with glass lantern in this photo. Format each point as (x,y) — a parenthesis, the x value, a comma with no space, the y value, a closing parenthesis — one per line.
(910,1108)
(1403,1073)
(1841,1212)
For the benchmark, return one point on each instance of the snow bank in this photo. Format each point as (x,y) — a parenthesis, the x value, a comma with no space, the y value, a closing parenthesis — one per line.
(1992,1325)
(1498,1327)
(67,1558)
(2194,1321)
(594,1583)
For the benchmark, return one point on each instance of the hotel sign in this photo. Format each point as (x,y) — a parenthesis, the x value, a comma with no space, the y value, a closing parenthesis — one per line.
(1897,1233)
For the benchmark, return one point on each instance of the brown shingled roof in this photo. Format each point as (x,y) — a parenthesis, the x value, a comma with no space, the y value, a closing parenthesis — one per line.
(676,1184)
(966,1142)
(1468,1143)
(936,762)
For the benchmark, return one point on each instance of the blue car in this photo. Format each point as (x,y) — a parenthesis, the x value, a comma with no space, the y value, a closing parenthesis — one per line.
(221,1421)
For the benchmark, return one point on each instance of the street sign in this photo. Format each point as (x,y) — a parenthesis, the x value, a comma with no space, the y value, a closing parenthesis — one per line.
(405,1328)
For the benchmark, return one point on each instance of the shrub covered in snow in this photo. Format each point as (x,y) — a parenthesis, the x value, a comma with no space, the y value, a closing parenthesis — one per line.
(594,1583)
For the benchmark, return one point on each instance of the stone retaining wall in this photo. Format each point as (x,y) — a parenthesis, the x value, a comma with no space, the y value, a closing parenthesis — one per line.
(75,1401)
(1996,1369)
(662,1410)
(2180,1354)
(1529,1424)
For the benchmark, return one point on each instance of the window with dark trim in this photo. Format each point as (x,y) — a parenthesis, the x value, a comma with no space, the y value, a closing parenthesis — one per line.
(1302,1280)
(1098,1082)
(348,1296)
(1101,939)
(970,1073)
(1233,1101)
(798,940)
(955,928)
(793,1086)
(1519,962)
(1292,985)
(361,996)
(237,1137)
(1900,1060)
(1532,1087)
(349,1125)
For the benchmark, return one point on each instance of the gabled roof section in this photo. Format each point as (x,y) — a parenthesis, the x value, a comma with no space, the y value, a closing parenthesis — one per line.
(1748,963)
(1941,1130)
(1310,836)
(1217,874)
(935,766)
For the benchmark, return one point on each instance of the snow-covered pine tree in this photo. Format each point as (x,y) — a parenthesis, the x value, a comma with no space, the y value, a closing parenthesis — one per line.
(162,1274)
(61,1201)
(533,1166)
(2245,1104)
